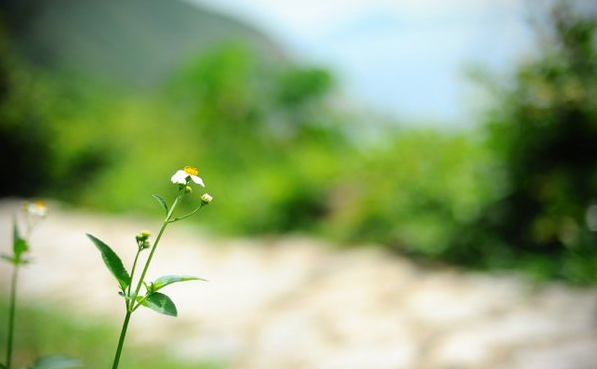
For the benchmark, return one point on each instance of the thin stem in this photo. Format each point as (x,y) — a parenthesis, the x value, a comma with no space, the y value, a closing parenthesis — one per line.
(125,325)
(29,226)
(129,304)
(185,216)
(139,303)
(11,315)
(155,244)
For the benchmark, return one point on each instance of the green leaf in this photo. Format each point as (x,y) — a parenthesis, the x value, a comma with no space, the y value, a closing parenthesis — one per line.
(161,201)
(2,366)
(169,279)
(12,260)
(19,245)
(8,258)
(55,362)
(160,303)
(113,262)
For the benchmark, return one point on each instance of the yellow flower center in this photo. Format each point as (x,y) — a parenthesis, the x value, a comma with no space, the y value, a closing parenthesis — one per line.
(40,204)
(192,171)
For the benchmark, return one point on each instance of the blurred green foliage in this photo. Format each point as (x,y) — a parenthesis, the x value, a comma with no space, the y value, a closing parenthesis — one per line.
(23,132)
(278,155)
(414,191)
(544,133)
(43,146)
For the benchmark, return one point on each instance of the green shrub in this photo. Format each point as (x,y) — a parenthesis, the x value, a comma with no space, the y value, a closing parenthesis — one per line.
(544,131)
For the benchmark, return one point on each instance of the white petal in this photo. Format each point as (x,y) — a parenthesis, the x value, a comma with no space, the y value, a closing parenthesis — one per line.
(40,211)
(198,180)
(179,177)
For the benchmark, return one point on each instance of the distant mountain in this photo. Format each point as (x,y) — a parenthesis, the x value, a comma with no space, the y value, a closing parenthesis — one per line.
(136,43)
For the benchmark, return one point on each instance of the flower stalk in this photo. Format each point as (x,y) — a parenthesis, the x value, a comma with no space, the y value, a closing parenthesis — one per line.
(35,212)
(11,315)
(130,288)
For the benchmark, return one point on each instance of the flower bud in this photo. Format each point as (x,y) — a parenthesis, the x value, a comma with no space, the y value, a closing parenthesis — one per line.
(141,237)
(206,198)
(142,240)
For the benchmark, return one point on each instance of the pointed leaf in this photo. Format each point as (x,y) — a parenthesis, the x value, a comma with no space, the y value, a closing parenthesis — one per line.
(10,259)
(160,303)
(19,245)
(169,279)
(55,362)
(161,201)
(113,262)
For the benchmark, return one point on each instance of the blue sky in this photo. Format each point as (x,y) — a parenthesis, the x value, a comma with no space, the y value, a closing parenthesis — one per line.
(403,58)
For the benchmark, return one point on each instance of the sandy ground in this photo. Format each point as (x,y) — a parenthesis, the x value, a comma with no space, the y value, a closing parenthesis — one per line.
(299,303)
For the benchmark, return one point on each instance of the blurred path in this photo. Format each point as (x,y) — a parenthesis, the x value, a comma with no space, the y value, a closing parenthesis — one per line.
(296,303)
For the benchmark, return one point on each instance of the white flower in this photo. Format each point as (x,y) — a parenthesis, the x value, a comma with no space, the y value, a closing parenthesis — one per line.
(37,208)
(182,176)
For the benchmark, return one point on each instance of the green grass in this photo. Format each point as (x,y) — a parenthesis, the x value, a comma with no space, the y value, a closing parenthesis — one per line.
(43,330)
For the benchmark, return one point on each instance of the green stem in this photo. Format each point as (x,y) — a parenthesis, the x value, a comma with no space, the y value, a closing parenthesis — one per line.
(129,304)
(157,241)
(185,216)
(130,308)
(125,325)
(139,303)
(11,315)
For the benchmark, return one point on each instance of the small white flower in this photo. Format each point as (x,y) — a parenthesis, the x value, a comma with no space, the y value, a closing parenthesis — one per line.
(181,176)
(37,208)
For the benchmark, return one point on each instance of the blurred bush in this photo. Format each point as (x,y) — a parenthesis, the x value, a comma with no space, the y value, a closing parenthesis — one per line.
(414,191)
(264,137)
(23,136)
(544,131)
(48,145)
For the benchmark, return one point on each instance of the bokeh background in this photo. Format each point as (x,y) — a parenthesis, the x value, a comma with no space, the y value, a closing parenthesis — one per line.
(453,134)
